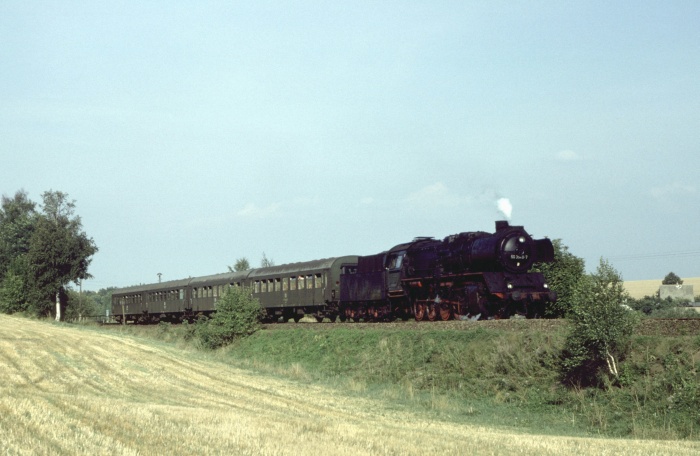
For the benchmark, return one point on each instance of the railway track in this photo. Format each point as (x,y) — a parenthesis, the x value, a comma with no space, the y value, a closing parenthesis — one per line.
(646,327)
(452,325)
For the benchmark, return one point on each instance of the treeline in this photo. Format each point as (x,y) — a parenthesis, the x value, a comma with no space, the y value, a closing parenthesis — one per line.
(43,249)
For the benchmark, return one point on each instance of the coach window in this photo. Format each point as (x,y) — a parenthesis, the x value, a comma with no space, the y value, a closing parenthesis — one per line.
(319,281)
(301,283)
(285,283)
(293,283)
(257,286)
(271,285)
(309,281)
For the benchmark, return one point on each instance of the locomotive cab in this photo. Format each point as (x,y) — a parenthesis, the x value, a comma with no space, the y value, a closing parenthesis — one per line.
(394,264)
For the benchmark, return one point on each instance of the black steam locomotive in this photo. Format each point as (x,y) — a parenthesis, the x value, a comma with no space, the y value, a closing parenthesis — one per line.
(475,275)
(466,275)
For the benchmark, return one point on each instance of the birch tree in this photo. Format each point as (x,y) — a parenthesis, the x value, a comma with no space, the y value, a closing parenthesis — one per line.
(601,329)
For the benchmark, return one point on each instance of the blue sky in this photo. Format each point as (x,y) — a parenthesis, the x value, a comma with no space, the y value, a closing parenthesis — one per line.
(191,134)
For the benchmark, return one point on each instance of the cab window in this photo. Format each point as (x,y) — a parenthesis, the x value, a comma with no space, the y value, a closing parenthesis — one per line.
(395,261)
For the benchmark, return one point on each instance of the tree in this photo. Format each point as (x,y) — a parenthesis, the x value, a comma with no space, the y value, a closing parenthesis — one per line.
(242,264)
(13,288)
(672,279)
(601,329)
(563,276)
(18,219)
(265,262)
(59,252)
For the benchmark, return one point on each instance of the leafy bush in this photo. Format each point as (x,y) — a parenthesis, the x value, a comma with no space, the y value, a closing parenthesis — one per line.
(238,314)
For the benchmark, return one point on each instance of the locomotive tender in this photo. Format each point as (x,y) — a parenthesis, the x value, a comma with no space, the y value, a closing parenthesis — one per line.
(466,275)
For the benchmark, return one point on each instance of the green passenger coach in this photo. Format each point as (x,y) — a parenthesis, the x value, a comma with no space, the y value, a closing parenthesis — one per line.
(288,291)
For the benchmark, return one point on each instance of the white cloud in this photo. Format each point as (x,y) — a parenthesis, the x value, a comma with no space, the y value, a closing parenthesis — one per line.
(568,155)
(436,194)
(367,201)
(251,210)
(675,189)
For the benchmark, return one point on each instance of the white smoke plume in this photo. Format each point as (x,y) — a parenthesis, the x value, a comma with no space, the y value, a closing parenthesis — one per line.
(505,207)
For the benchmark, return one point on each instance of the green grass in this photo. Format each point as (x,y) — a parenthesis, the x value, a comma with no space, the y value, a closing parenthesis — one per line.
(489,377)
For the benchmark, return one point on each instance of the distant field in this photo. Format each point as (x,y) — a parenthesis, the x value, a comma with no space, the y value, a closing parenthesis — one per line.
(66,391)
(640,288)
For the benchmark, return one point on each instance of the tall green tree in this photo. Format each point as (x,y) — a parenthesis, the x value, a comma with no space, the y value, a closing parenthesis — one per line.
(14,292)
(59,252)
(601,329)
(563,276)
(17,222)
(18,218)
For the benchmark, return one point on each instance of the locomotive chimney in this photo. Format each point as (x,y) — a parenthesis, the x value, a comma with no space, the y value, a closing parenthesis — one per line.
(501,225)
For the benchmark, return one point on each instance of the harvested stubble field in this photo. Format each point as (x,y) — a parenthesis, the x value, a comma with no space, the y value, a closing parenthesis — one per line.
(67,390)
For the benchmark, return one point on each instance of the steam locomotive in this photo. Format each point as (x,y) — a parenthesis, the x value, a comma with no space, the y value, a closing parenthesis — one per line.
(472,275)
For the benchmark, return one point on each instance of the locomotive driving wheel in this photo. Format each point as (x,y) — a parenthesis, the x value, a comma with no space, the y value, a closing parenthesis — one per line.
(445,312)
(420,311)
(433,311)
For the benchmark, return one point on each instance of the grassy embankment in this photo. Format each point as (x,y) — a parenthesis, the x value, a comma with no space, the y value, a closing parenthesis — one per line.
(375,390)
(502,373)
